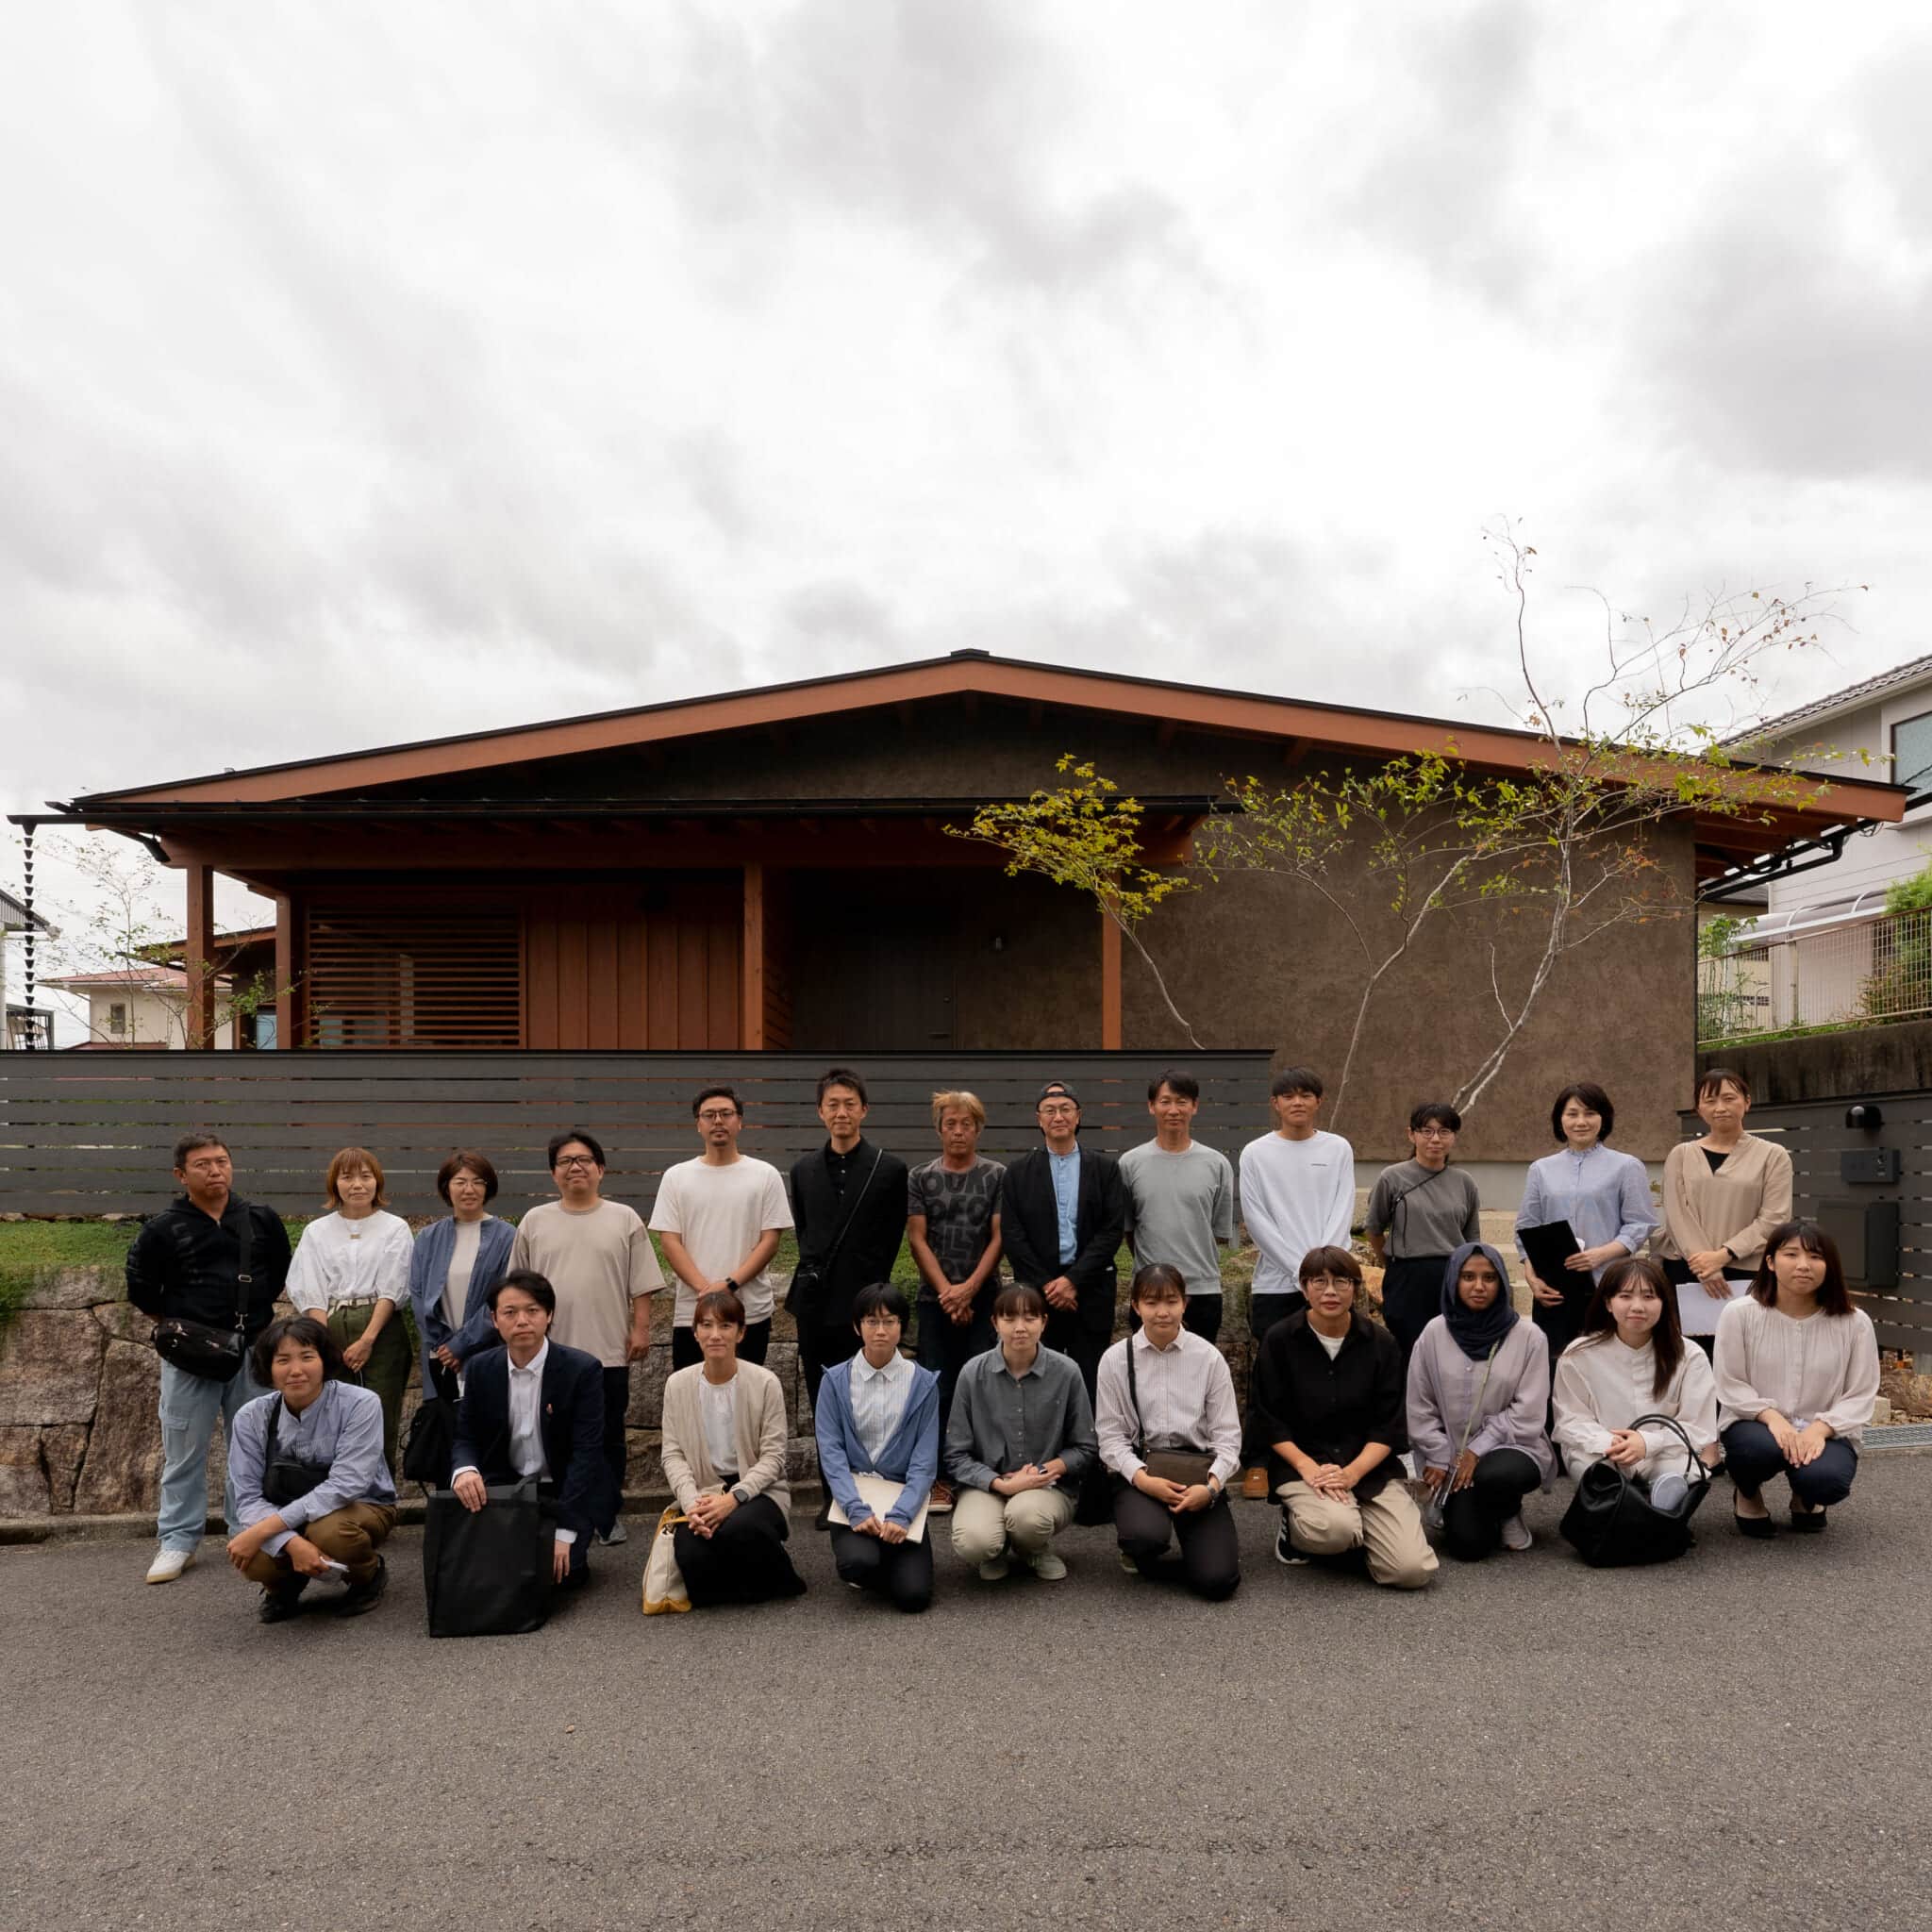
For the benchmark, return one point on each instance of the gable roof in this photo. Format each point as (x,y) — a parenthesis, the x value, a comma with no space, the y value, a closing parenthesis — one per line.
(14,917)
(1914,671)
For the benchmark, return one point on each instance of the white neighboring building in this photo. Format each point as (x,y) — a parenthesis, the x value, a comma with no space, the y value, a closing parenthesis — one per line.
(141,1005)
(19,1023)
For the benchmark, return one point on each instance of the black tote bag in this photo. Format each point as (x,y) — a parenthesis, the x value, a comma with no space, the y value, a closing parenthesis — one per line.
(1612,1521)
(487,1573)
(431,1447)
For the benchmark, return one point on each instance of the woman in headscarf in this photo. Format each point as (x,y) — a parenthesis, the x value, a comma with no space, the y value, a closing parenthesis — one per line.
(1478,1389)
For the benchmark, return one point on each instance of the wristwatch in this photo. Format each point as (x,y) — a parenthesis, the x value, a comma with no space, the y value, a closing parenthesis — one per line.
(731,1282)
(740,1494)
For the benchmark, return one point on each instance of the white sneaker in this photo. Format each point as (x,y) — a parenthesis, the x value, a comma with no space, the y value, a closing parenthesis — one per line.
(1047,1567)
(169,1564)
(995,1569)
(1127,1563)
(1516,1533)
(618,1534)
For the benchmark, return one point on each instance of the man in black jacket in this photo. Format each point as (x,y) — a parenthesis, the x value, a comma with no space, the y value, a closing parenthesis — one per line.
(1063,1210)
(534,1407)
(848,1202)
(186,1265)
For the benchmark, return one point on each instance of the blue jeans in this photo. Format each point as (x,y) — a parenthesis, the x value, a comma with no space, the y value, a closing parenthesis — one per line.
(1752,1456)
(189,1406)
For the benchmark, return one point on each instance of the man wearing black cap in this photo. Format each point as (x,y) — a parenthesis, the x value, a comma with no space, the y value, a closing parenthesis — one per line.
(1062,1212)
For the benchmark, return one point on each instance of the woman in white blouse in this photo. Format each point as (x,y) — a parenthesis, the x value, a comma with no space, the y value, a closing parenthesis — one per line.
(1630,1360)
(1797,1371)
(352,1266)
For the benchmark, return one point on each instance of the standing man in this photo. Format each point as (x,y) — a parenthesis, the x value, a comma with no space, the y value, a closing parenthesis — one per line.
(599,1260)
(953,1229)
(1181,1200)
(849,1199)
(1061,1212)
(720,1217)
(212,1259)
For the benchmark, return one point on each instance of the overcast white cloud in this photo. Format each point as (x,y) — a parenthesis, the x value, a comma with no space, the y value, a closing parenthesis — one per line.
(381,372)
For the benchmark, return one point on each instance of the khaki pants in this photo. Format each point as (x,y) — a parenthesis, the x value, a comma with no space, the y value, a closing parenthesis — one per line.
(984,1524)
(1387,1525)
(351,1535)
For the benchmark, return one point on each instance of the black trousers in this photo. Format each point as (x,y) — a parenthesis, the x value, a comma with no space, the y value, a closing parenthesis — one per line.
(818,1349)
(900,1572)
(743,1561)
(1210,1554)
(1473,1518)
(686,1354)
(1071,1332)
(1200,1316)
(946,1346)
(616,1455)
(1412,1298)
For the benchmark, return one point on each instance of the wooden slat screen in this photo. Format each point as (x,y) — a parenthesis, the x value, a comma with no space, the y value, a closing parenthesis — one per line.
(388,975)
(91,1134)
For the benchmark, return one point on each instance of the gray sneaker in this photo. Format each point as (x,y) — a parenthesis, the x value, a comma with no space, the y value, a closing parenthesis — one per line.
(618,1534)
(1516,1533)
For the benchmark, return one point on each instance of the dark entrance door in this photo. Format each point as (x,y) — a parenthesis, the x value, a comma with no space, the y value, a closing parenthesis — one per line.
(874,963)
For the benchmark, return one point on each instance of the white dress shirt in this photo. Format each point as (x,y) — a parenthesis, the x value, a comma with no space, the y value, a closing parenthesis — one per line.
(1605,1386)
(525,1424)
(878,1400)
(1187,1402)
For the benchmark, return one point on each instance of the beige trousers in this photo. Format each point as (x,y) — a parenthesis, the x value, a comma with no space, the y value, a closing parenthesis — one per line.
(352,1535)
(984,1524)
(1387,1525)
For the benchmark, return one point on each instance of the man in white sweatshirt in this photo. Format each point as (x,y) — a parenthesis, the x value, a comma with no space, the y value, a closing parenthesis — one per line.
(1297,1193)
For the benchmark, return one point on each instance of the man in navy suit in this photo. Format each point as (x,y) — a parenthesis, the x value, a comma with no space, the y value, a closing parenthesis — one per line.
(536,1409)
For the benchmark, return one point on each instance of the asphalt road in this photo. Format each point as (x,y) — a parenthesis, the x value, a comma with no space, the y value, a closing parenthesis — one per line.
(1735,1741)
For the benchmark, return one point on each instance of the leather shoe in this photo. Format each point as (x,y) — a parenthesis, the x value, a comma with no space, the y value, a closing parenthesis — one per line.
(361,1598)
(281,1600)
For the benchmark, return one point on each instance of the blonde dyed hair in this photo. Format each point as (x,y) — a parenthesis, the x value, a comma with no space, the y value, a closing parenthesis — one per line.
(348,1158)
(958,1101)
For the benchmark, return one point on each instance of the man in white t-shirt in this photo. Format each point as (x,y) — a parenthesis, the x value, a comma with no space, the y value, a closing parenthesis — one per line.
(597,1257)
(720,1217)
(1180,1199)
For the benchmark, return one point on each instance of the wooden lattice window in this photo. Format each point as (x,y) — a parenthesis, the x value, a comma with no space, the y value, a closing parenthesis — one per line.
(401,975)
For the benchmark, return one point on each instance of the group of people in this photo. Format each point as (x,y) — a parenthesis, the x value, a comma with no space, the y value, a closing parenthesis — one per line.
(1018,1412)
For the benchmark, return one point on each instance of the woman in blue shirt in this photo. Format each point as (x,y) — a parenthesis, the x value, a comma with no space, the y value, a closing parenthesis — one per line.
(878,1415)
(454,1264)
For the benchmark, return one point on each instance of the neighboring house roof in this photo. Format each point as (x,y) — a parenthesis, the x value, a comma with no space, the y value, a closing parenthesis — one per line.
(1914,671)
(14,917)
(129,978)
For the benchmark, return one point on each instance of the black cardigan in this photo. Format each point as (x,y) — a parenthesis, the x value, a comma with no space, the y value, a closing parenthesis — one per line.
(1331,1411)
(1030,1229)
(871,1245)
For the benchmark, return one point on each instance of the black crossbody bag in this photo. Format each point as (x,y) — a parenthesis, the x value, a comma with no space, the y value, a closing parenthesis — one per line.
(1188,1467)
(286,1478)
(199,1347)
(806,1297)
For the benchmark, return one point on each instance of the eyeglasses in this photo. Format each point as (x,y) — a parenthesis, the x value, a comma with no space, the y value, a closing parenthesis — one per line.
(878,1321)
(716,1116)
(1058,1113)
(577,1161)
(1327,1281)
(1435,1133)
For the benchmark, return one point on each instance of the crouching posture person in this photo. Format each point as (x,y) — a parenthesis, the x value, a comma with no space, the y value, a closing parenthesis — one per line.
(1328,1397)
(312,1490)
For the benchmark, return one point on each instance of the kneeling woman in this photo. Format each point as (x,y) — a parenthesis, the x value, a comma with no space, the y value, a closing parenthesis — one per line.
(311,1487)
(1797,1371)
(1328,1399)
(1478,1389)
(1630,1359)
(1170,1433)
(723,1450)
(878,1416)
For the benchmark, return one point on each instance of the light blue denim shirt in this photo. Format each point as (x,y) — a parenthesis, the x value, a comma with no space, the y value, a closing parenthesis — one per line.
(1603,1194)
(1066,1198)
(340,1429)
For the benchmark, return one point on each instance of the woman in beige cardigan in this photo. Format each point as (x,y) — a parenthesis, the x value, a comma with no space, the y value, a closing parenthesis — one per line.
(1722,1195)
(724,1449)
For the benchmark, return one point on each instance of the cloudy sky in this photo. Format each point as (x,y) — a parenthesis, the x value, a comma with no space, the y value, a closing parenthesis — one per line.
(377,371)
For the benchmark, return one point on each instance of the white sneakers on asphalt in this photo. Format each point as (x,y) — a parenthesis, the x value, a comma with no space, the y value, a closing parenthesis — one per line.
(1047,1567)
(169,1564)
(1516,1533)
(618,1534)
(995,1569)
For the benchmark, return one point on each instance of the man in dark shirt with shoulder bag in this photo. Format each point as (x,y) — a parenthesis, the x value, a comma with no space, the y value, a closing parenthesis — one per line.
(208,1269)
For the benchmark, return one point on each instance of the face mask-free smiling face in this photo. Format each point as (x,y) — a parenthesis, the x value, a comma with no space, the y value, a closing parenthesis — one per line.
(1476,1284)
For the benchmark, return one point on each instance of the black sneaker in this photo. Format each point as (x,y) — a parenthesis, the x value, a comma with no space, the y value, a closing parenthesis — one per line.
(1285,1550)
(281,1600)
(361,1598)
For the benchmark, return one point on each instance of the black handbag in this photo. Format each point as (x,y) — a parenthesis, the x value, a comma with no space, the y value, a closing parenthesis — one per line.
(431,1449)
(1613,1520)
(284,1478)
(804,1296)
(487,1573)
(217,1355)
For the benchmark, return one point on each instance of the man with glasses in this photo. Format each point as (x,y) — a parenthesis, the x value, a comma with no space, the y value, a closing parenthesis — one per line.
(599,1260)
(1419,1211)
(1063,1210)
(187,1264)
(720,1217)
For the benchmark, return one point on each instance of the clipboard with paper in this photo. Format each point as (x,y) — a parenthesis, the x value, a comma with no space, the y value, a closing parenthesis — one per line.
(1548,1248)
(881,1492)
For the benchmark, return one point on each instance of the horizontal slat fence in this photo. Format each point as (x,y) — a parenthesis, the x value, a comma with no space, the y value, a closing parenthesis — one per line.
(1816,1136)
(93,1134)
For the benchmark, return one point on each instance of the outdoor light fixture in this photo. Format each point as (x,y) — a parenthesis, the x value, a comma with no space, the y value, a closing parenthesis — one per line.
(1865,1115)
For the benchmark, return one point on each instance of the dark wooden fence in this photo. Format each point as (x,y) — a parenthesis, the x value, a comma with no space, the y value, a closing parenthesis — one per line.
(92,1133)
(1882,1222)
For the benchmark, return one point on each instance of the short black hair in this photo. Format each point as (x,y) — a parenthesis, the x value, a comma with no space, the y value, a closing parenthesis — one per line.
(1713,1080)
(559,1141)
(305,1330)
(841,1077)
(1594,1098)
(534,1285)
(879,1298)
(1434,1113)
(1158,1282)
(1295,1080)
(1182,1082)
(200,1138)
(478,1165)
(1019,1298)
(717,1093)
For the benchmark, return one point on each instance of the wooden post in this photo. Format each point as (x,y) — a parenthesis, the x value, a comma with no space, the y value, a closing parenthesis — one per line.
(1110,985)
(199,960)
(751,978)
(285,972)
